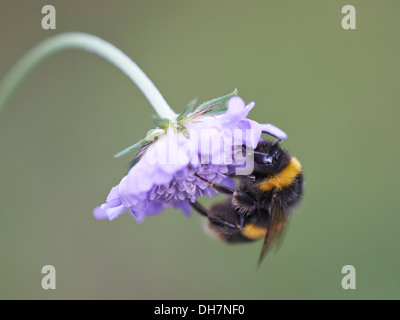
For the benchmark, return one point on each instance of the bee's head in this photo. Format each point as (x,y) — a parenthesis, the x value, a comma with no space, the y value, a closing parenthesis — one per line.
(269,158)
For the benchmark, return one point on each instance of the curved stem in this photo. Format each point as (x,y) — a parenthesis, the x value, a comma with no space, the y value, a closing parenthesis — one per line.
(84,41)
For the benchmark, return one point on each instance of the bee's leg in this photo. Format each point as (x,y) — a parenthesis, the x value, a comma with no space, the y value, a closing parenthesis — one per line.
(232,175)
(241,220)
(239,195)
(204,212)
(200,209)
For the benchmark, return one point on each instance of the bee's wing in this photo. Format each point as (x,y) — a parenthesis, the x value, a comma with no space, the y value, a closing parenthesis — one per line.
(275,228)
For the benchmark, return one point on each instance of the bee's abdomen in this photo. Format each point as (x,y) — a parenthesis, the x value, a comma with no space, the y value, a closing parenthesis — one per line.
(253,228)
(254,232)
(228,235)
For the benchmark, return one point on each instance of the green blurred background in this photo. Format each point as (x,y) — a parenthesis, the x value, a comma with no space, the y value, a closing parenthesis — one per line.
(334,91)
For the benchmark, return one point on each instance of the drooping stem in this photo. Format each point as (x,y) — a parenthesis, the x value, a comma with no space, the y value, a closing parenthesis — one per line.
(87,42)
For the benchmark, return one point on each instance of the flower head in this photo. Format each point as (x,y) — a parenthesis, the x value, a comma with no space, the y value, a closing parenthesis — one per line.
(176,160)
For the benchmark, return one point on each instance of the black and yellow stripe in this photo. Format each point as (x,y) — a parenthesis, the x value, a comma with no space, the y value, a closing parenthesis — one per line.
(284,178)
(254,232)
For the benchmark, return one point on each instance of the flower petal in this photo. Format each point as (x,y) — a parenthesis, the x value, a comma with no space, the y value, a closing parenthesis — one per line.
(274,131)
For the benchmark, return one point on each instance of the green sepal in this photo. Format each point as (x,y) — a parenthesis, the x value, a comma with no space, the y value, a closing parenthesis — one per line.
(160,122)
(188,109)
(137,145)
(151,135)
(214,106)
(134,161)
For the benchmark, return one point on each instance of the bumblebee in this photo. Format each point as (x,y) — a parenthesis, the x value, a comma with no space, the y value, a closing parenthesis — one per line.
(260,206)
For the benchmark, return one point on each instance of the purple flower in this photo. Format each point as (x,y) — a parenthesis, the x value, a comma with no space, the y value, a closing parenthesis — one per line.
(197,145)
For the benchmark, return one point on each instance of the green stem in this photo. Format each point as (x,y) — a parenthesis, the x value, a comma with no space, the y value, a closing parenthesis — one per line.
(83,41)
